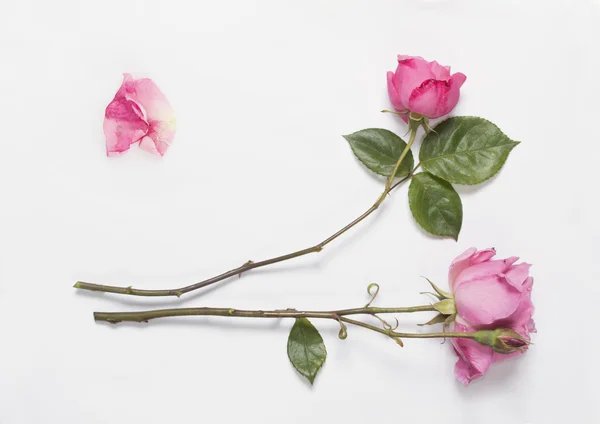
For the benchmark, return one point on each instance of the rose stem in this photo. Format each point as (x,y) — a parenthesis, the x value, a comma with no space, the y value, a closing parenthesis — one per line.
(252,265)
(339,315)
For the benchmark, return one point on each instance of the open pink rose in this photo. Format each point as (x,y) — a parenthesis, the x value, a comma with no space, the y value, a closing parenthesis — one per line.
(139,112)
(488,294)
(422,87)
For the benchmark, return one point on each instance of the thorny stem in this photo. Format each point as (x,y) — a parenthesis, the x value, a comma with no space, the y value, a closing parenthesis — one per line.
(252,265)
(143,316)
(339,315)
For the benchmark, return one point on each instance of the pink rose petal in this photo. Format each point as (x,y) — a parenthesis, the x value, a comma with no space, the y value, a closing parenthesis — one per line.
(479,270)
(139,112)
(520,320)
(517,275)
(473,359)
(440,72)
(485,300)
(435,98)
(468,258)
(122,126)
(410,74)
(393,93)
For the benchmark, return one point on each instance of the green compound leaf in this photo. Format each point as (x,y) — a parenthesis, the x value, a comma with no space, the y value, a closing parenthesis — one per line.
(379,150)
(306,349)
(435,205)
(465,150)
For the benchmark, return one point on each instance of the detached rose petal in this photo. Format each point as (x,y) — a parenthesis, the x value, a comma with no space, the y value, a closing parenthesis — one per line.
(422,87)
(140,112)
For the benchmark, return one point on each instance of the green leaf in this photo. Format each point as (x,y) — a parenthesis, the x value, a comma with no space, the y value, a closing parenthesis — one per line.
(435,205)
(465,150)
(306,349)
(379,150)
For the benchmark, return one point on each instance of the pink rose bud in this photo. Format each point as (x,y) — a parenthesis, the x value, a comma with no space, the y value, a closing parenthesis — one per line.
(139,112)
(502,340)
(489,294)
(423,88)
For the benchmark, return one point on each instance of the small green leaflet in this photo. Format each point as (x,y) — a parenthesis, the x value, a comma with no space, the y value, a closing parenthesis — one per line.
(306,349)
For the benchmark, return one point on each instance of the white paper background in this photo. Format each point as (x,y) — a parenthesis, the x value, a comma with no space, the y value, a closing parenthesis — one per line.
(262,91)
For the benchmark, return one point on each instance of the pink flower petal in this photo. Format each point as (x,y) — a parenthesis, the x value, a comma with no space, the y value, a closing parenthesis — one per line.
(486,300)
(139,112)
(520,320)
(158,138)
(517,275)
(393,93)
(531,326)
(483,256)
(122,125)
(440,72)
(465,255)
(402,57)
(473,359)
(476,271)
(435,98)
(471,257)
(146,93)
(159,114)
(410,74)
(459,264)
